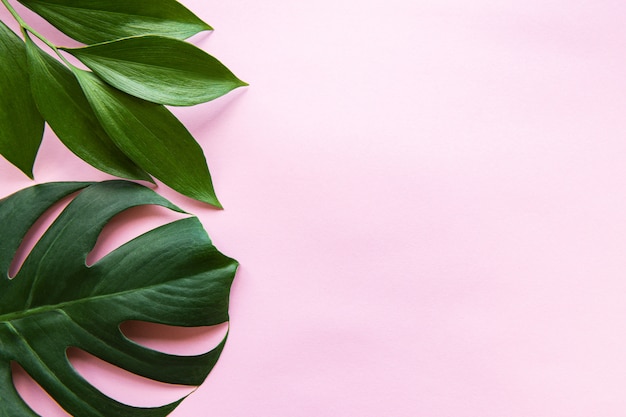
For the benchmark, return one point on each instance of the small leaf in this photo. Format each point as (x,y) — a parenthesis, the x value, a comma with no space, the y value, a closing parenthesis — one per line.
(21,125)
(171,275)
(152,137)
(66,109)
(159,69)
(95,21)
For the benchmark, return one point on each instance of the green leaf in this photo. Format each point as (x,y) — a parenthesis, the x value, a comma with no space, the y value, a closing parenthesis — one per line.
(21,125)
(66,109)
(159,69)
(171,275)
(152,137)
(95,21)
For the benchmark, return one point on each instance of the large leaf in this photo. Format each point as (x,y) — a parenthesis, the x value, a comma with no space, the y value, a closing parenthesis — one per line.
(159,69)
(171,275)
(152,137)
(94,21)
(66,109)
(21,125)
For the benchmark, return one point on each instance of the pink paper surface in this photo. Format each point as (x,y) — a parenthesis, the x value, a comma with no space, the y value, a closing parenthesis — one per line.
(428,201)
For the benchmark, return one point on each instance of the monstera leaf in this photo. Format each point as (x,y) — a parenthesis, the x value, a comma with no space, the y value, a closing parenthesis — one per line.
(171,275)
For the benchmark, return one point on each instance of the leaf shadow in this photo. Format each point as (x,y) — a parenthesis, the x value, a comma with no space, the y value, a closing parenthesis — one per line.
(204,115)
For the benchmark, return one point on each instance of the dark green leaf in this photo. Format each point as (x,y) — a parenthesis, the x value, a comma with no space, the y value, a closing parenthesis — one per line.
(64,106)
(152,137)
(171,275)
(21,125)
(95,21)
(159,69)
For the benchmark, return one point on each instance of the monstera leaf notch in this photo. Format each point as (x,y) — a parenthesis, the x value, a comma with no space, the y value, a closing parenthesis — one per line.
(171,275)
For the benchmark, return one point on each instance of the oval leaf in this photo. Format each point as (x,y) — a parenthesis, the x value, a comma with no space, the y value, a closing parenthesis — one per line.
(95,21)
(159,69)
(152,137)
(21,125)
(171,275)
(66,109)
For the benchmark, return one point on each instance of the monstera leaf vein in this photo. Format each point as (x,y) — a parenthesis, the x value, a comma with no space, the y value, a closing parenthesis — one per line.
(170,275)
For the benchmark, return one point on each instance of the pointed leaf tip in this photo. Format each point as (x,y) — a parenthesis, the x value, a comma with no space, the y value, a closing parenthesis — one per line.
(158,69)
(152,137)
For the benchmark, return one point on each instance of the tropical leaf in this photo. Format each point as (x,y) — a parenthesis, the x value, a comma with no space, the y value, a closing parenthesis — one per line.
(66,109)
(114,117)
(95,21)
(171,275)
(159,69)
(152,137)
(21,125)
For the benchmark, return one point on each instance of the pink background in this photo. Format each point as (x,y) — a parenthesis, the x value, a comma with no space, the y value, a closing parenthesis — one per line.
(428,200)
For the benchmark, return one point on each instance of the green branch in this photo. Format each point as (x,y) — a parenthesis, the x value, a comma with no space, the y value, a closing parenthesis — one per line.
(25,27)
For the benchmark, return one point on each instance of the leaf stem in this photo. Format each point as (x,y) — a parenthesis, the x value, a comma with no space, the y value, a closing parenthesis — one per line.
(27,28)
(13,12)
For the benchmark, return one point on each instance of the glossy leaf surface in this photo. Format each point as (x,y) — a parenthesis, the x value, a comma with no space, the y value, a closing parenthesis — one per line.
(171,275)
(95,21)
(66,109)
(152,137)
(159,69)
(21,125)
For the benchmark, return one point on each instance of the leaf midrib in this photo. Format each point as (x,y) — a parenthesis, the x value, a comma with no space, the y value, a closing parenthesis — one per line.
(93,58)
(6,318)
(63,7)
